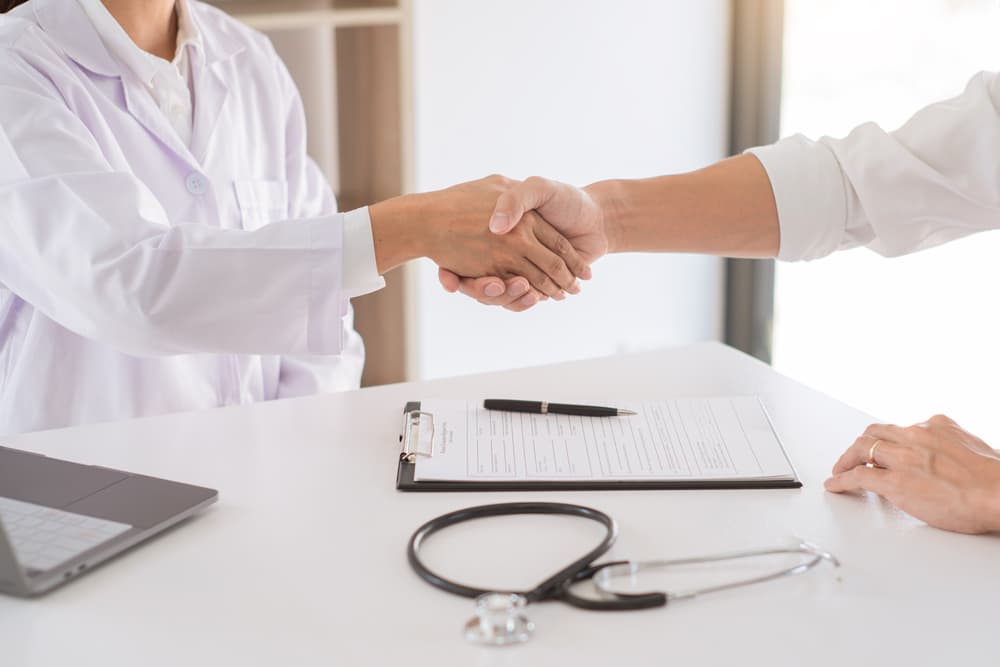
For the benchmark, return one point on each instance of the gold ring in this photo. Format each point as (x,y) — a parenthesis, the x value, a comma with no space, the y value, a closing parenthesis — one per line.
(871,453)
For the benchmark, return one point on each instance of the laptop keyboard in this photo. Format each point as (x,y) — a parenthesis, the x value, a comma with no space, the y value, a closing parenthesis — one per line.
(44,537)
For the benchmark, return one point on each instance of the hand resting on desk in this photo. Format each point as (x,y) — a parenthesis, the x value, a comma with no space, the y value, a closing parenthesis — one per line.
(936,471)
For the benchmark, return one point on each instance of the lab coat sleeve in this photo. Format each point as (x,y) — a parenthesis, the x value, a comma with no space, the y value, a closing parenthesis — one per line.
(92,248)
(310,196)
(934,180)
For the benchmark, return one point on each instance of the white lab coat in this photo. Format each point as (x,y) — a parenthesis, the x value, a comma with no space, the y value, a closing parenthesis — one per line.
(140,276)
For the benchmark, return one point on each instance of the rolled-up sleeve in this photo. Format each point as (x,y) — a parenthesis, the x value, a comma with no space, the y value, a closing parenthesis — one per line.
(934,180)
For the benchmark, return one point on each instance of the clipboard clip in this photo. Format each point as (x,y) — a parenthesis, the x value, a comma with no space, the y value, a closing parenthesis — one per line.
(413,446)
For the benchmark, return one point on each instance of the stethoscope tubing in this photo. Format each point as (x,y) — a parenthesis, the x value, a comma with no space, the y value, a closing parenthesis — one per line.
(556,587)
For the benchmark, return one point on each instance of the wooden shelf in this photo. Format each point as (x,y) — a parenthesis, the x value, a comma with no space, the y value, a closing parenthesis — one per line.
(351,61)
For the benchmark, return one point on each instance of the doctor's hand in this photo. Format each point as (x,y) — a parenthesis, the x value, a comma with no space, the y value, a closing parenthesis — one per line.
(450,227)
(935,471)
(570,210)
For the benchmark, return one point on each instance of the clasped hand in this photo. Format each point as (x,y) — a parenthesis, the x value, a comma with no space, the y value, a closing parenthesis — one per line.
(580,232)
(450,227)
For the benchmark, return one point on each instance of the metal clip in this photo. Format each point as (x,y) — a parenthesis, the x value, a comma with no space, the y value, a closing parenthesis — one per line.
(412,447)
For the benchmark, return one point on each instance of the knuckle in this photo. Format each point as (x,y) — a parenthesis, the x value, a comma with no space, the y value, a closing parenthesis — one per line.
(555,266)
(562,246)
(535,181)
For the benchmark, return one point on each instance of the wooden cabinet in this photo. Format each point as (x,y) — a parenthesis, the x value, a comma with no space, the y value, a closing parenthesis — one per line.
(351,62)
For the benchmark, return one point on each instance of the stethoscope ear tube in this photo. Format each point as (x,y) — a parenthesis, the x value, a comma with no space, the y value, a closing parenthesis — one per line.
(611,601)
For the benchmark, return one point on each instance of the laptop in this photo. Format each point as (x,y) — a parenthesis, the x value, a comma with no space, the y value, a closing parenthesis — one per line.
(59,519)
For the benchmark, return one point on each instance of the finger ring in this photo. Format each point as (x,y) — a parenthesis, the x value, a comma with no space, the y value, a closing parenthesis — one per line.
(871,453)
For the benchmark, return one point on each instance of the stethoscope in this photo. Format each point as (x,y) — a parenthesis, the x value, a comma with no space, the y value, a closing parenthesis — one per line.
(499,616)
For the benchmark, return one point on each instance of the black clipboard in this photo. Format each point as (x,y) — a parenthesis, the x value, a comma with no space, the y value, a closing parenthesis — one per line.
(411,450)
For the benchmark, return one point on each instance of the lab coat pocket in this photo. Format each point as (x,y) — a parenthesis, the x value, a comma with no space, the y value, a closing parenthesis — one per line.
(261,202)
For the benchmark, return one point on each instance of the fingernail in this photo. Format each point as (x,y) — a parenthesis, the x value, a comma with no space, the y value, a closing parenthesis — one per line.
(518,288)
(586,274)
(574,288)
(499,222)
(493,289)
(529,300)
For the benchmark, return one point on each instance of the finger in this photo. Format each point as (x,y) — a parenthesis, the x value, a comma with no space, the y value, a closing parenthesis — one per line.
(449,281)
(560,245)
(551,264)
(540,279)
(886,454)
(876,480)
(529,300)
(888,432)
(513,202)
(514,289)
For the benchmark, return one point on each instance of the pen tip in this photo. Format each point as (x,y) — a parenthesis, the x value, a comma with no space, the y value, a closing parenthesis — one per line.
(626,413)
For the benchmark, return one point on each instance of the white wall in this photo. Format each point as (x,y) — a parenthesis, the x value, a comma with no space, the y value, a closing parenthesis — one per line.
(576,90)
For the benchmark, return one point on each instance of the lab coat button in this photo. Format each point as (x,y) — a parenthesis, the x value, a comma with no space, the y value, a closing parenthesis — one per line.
(196,184)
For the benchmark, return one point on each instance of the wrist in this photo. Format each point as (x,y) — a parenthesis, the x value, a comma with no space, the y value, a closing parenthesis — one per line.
(609,198)
(396,231)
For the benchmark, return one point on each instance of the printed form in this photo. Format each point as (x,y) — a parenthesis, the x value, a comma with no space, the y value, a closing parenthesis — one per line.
(682,439)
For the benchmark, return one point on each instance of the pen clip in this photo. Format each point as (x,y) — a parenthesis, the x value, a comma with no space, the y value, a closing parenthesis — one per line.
(412,445)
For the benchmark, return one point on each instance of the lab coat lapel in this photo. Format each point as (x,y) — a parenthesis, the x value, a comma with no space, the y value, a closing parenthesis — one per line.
(140,104)
(210,88)
(210,94)
(71,28)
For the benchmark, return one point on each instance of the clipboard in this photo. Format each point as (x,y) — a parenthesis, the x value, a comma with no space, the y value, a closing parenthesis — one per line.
(412,449)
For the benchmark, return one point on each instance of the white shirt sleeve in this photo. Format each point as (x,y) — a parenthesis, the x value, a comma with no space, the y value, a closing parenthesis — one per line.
(934,180)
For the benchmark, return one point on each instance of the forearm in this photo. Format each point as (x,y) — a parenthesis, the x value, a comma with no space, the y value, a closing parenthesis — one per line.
(725,209)
(397,232)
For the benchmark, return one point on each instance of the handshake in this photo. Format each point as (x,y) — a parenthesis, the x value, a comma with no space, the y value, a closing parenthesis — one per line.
(541,237)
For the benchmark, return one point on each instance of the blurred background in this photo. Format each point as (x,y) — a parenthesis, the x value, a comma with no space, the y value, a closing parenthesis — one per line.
(407,95)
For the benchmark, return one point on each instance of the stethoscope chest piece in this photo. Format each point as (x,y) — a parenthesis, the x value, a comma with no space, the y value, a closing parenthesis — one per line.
(499,620)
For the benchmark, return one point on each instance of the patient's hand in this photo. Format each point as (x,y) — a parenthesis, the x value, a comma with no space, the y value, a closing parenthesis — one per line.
(936,471)
(570,210)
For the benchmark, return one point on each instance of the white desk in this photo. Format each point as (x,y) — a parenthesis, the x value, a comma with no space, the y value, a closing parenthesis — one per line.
(302,561)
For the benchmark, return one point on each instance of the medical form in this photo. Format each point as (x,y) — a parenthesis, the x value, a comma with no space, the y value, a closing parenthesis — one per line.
(719,438)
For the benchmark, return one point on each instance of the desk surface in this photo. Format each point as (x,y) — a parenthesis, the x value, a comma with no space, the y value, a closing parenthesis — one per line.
(302,560)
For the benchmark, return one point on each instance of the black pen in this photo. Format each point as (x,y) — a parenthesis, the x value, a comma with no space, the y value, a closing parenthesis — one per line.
(544,407)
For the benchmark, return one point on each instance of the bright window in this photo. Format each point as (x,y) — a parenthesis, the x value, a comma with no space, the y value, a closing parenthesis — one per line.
(899,338)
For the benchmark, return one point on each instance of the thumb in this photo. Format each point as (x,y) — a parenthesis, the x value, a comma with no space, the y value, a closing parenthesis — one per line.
(515,200)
